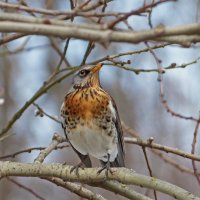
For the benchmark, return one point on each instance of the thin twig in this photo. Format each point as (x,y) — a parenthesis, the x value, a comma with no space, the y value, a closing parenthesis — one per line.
(150,144)
(11,37)
(76,12)
(136,12)
(173,163)
(29,150)
(44,153)
(149,168)
(55,46)
(91,44)
(44,88)
(25,188)
(193,149)
(160,80)
(150,15)
(42,112)
(75,188)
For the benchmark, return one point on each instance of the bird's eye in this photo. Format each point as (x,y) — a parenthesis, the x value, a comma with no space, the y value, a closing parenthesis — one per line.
(83,73)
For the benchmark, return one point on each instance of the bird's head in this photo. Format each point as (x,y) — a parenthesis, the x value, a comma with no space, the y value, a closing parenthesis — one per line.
(87,76)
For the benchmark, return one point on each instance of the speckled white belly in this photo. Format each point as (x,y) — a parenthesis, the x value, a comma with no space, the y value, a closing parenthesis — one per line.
(94,141)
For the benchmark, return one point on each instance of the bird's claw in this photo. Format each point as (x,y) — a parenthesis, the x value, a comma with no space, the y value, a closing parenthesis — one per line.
(107,168)
(76,168)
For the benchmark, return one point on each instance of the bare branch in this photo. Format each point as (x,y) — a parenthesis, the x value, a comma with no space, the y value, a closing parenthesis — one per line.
(167,149)
(25,188)
(89,32)
(12,37)
(78,11)
(136,12)
(40,91)
(193,150)
(75,188)
(42,112)
(149,168)
(44,153)
(89,175)
(123,190)
(29,150)
(173,163)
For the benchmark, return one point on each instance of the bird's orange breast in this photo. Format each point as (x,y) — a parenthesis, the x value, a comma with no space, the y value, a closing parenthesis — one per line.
(86,103)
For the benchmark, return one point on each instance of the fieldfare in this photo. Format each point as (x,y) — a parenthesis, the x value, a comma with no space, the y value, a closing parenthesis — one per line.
(91,121)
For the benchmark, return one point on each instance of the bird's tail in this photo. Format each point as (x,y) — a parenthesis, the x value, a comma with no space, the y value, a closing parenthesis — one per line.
(118,162)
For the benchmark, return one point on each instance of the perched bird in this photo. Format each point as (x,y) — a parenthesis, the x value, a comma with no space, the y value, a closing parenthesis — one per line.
(91,121)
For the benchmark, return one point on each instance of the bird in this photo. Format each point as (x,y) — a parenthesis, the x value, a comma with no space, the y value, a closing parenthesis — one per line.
(91,121)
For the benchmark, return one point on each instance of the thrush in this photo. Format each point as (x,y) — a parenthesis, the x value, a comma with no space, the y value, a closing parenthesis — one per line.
(91,121)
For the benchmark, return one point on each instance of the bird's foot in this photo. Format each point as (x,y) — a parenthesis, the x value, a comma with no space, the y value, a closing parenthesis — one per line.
(107,168)
(76,168)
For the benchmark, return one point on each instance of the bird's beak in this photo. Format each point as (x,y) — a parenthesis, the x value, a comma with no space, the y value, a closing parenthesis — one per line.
(96,68)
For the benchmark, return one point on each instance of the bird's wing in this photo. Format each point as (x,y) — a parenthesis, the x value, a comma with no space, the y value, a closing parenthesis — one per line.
(121,149)
(63,117)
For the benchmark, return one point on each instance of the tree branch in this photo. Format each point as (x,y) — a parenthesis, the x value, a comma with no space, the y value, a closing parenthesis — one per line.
(89,175)
(75,188)
(42,26)
(26,188)
(167,149)
(46,86)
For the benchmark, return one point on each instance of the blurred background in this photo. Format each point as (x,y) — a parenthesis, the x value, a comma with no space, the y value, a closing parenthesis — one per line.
(137,97)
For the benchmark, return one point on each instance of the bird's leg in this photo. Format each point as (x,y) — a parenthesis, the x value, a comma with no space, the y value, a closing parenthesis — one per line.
(85,162)
(106,167)
(76,168)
